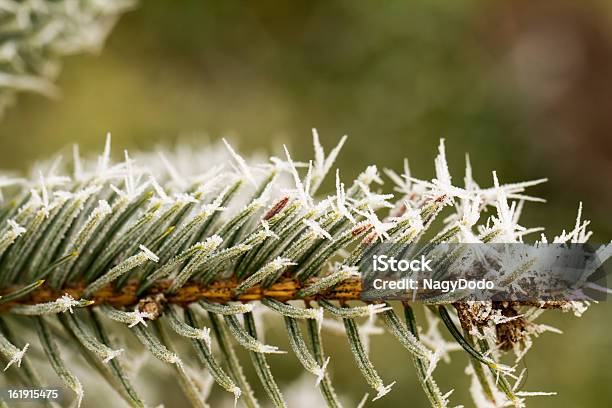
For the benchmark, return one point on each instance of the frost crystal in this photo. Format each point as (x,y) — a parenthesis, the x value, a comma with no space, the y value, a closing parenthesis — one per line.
(66,303)
(341,200)
(242,165)
(317,229)
(148,253)
(380,228)
(112,354)
(300,190)
(16,228)
(17,357)
(137,317)
(383,390)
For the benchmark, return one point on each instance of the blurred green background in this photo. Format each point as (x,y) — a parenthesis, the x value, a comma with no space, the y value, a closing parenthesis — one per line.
(523,86)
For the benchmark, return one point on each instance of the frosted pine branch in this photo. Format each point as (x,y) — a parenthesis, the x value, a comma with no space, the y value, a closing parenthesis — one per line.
(37,35)
(157,242)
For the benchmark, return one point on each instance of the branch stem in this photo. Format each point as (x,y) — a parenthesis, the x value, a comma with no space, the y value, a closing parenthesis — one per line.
(283,290)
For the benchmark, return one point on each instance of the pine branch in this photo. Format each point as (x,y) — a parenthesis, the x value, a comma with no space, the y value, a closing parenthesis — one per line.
(37,35)
(186,253)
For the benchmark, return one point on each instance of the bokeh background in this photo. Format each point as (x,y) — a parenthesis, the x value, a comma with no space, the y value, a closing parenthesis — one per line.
(525,87)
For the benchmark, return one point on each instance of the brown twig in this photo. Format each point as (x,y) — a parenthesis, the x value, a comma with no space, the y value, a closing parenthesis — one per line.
(220,291)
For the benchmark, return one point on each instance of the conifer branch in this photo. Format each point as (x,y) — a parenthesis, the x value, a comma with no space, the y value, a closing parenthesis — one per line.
(181,253)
